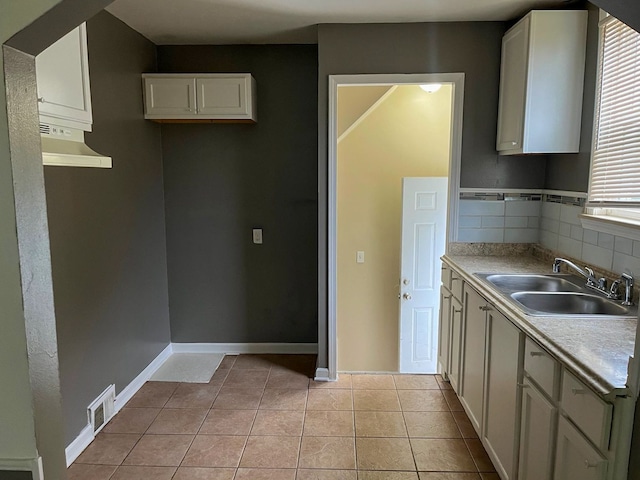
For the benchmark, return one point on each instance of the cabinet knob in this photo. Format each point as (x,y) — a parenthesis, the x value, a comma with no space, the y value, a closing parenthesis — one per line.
(455,310)
(523,385)
(41,100)
(588,464)
(484,308)
(514,143)
(578,391)
(447,297)
(537,354)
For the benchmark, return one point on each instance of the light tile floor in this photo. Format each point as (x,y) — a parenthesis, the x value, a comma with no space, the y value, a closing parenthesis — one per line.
(262,418)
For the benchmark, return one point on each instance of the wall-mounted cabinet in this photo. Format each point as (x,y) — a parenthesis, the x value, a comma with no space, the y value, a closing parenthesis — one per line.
(186,98)
(62,71)
(541,83)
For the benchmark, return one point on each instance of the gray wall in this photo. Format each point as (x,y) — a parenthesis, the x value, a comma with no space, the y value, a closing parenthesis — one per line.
(571,171)
(15,476)
(222,180)
(108,234)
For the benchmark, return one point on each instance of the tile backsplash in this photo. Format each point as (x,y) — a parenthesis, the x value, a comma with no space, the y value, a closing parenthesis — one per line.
(551,220)
(499,218)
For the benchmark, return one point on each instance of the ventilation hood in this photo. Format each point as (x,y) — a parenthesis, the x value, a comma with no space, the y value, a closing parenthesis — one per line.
(65,147)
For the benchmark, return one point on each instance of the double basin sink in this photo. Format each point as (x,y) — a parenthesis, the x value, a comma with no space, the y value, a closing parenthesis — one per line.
(556,295)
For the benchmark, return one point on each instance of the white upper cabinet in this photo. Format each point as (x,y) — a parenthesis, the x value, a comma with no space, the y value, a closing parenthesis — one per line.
(541,83)
(200,97)
(62,70)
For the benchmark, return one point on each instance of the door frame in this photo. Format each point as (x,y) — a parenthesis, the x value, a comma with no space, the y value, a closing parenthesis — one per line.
(457,80)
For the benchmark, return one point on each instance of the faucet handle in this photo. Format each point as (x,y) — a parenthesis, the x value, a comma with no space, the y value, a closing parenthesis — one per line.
(602,283)
(592,275)
(613,291)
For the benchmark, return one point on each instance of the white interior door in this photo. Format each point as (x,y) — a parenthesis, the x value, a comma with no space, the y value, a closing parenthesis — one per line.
(424,224)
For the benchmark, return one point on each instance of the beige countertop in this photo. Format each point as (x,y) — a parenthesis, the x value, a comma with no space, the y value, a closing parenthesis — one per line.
(597,350)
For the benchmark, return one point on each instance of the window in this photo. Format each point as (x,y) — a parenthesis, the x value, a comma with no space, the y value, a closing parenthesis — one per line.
(614,186)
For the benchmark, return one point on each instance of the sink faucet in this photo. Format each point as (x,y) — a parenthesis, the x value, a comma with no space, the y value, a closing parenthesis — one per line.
(586,273)
(601,284)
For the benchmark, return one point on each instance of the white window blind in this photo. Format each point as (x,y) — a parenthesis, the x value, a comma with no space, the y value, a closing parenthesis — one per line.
(615,163)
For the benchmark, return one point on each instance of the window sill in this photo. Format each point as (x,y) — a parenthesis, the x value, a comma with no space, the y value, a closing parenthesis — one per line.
(621,227)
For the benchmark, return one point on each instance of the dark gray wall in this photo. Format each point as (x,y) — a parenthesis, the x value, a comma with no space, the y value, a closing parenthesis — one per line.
(571,171)
(223,180)
(626,10)
(107,232)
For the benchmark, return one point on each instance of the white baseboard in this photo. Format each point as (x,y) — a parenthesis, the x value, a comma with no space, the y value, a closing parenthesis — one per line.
(33,465)
(237,348)
(82,441)
(322,375)
(370,372)
(130,390)
(86,436)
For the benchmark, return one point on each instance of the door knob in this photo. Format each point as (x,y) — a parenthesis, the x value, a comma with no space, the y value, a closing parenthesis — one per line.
(406,296)
(405,281)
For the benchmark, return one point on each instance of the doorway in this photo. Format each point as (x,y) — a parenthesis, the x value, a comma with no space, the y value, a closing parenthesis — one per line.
(376,345)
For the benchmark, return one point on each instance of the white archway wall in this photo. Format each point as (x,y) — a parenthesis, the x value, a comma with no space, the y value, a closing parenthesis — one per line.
(407,135)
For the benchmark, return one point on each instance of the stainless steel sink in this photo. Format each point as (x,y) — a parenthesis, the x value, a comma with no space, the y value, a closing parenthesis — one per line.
(568,304)
(534,283)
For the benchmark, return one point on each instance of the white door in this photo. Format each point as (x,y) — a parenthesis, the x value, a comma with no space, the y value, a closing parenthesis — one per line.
(424,224)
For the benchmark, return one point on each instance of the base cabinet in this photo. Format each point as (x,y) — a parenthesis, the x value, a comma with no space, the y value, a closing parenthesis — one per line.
(576,459)
(502,395)
(473,356)
(537,434)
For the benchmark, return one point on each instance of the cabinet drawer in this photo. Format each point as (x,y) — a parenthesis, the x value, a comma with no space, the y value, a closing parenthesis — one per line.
(589,412)
(541,367)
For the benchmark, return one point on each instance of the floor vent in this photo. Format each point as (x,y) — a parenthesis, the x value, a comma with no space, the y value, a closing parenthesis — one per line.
(102,409)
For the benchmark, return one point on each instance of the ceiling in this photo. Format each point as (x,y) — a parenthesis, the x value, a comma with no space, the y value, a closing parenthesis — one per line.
(220,22)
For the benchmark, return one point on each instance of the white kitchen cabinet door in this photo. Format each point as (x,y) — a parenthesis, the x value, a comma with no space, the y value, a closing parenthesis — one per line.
(62,71)
(455,362)
(170,96)
(473,359)
(502,401)
(537,435)
(224,96)
(576,459)
(444,332)
(541,83)
(513,78)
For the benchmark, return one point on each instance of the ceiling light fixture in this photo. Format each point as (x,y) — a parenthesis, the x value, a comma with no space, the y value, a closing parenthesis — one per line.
(431,87)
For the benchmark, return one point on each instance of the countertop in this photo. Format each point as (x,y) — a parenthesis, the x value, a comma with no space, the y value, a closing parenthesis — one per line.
(596,350)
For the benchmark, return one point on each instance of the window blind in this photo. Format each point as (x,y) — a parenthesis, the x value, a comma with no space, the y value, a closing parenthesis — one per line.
(615,163)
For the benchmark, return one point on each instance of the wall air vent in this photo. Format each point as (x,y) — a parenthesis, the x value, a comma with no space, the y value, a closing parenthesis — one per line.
(102,409)
(45,129)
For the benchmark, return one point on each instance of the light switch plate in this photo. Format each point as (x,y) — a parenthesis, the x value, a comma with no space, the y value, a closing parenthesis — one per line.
(360,257)
(257,236)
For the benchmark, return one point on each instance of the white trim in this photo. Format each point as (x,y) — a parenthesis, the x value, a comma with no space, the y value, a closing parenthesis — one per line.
(457,79)
(322,375)
(369,111)
(33,465)
(238,348)
(619,227)
(82,441)
(130,390)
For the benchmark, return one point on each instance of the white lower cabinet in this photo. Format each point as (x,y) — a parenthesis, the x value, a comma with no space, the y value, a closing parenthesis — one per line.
(457,319)
(473,356)
(537,434)
(576,459)
(502,397)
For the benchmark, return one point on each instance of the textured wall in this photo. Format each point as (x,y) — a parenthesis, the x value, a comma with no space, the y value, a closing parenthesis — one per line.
(107,232)
(408,135)
(222,180)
